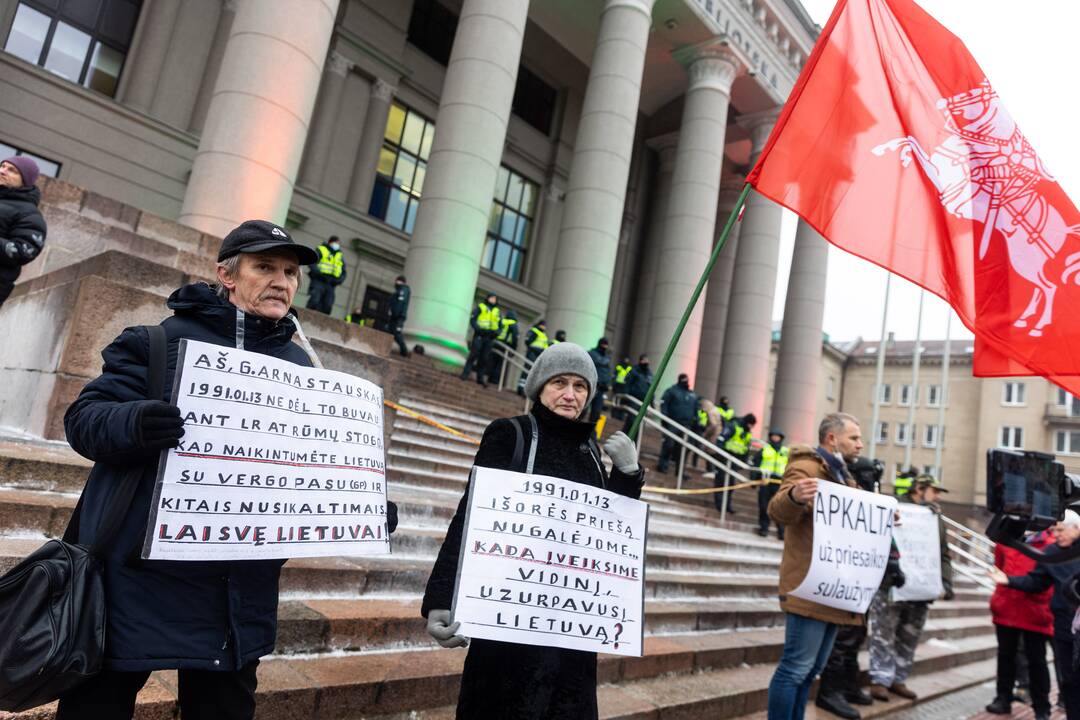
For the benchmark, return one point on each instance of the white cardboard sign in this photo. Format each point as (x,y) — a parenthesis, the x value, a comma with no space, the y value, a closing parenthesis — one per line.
(920,553)
(277,461)
(852,533)
(551,562)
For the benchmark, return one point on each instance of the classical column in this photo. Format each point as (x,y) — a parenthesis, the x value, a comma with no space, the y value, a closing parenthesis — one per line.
(213,65)
(689,228)
(744,370)
(470,129)
(795,398)
(717,294)
(190,44)
(371,138)
(665,146)
(327,109)
(258,117)
(592,219)
(139,83)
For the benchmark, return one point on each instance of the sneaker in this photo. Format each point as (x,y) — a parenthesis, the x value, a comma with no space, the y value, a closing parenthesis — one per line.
(879,692)
(835,703)
(859,696)
(903,691)
(1000,706)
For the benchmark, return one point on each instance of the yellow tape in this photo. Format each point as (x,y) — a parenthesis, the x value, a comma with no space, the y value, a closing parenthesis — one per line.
(428,421)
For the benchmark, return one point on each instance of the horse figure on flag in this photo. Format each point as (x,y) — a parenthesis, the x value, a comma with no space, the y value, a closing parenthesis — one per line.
(986,171)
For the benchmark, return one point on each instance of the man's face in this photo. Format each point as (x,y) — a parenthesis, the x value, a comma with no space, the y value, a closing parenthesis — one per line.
(264,283)
(775,439)
(1065,535)
(848,442)
(932,494)
(492,300)
(10,176)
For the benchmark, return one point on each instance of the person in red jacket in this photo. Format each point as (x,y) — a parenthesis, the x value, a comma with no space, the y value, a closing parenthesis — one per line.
(1021,617)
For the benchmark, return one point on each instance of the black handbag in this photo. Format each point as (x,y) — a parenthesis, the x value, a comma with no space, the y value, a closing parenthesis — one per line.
(52,604)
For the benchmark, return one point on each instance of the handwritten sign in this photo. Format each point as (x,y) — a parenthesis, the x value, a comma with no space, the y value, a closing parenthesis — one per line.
(552,562)
(277,461)
(852,535)
(920,553)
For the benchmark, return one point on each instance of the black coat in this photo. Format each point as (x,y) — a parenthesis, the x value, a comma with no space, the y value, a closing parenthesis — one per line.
(22,230)
(638,381)
(399,304)
(680,404)
(167,614)
(602,361)
(508,681)
(1057,576)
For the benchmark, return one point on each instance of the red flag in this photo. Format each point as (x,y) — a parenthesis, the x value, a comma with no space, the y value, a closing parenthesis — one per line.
(896,148)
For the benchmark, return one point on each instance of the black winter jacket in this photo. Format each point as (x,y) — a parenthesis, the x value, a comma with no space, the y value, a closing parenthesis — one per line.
(399,304)
(166,614)
(22,229)
(1056,575)
(508,681)
(602,361)
(638,381)
(680,404)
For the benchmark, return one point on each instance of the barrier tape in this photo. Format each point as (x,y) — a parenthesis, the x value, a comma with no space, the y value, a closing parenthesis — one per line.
(428,421)
(647,488)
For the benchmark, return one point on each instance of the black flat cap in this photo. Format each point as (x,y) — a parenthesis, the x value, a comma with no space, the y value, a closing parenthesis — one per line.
(258,236)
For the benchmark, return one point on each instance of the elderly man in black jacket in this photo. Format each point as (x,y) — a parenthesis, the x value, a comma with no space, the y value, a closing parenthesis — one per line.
(210,620)
(22,228)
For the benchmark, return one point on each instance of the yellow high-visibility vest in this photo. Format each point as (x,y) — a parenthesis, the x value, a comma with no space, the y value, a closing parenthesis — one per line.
(621,371)
(774,462)
(330,263)
(726,414)
(488,318)
(902,485)
(739,442)
(540,339)
(504,334)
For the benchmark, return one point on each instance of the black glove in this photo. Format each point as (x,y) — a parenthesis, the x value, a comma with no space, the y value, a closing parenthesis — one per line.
(158,425)
(391,515)
(899,578)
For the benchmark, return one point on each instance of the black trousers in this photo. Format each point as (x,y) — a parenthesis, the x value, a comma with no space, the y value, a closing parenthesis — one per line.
(397,326)
(320,296)
(597,407)
(479,354)
(495,364)
(531,354)
(1034,649)
(718,481)
(765,495)
(1069,688)
(669,449)
(203,694)
(841,673)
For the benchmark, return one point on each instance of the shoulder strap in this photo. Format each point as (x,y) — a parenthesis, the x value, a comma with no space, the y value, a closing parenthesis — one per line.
(121,501)
(519,444)
(532,446)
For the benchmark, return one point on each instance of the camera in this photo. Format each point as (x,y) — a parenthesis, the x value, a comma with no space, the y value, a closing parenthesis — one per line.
(1027,491)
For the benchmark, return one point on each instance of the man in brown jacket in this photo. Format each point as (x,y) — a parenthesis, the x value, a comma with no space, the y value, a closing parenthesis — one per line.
(810,627)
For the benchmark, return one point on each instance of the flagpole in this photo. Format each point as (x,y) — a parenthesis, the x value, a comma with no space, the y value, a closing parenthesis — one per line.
(880,370)
(942,399)
(659,372)
(913,396)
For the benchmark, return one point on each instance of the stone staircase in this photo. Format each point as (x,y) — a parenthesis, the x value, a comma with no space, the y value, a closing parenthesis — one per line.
(352,643)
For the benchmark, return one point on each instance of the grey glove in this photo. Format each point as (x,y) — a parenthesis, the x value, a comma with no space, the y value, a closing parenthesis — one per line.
(438,627)
(622,452)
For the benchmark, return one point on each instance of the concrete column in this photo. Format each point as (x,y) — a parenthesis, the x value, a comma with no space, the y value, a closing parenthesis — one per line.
(689,229)
(139,81)
(327,110)
(745,368)
(185,63)
(367,155)
(589,238)
(258,117)
(795,398)
(665,146)
(213,65)
(470,130)
(717,295)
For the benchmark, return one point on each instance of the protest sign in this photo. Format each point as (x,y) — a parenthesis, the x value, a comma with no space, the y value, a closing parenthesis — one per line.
(920,553)
(277,461)
(852,533)
(551,562)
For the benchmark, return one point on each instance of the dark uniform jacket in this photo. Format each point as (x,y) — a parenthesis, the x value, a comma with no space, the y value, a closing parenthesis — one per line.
(399,304)
(680,404)
(166,614)
(638,381)
(22,232)
(602,361)
(508,681)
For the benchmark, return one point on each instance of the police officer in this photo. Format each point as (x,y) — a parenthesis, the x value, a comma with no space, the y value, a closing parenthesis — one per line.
(560,336)
(486,321)
(602,360)
(326,274)
(622,369)
(774,460)
(535,343)
(678,404)
(507,338)
(904,480)
(738,446)
(727,415)
(637,385)
(399,308)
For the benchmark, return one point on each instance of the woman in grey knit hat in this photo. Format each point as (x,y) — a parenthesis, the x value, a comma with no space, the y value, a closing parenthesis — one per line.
(503,680)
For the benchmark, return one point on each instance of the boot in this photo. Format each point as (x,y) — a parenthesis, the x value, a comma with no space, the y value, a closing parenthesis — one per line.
(835,703)
(1000,706)
(763,532)
(903,691)
(858,696)
(879,692)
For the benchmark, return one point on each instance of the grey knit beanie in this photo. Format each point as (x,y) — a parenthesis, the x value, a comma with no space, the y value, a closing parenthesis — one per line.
(566,357)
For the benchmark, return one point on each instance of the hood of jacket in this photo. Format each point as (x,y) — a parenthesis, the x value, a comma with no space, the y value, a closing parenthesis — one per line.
(200,303)
(30,194)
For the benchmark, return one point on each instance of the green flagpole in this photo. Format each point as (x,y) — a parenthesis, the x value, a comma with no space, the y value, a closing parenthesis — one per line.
(689,309)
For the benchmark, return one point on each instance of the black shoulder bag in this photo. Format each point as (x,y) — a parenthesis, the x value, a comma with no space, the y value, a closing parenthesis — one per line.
(52,604)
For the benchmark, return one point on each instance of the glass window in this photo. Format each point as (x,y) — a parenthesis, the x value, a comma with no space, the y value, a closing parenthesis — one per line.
(399,176)
(85,42)
(901,433)
(534,100)
(933,395)
(885,394)
(511,224)
(905,395)
(1012,437)
(49,168)
(1067,442)
(830,388)
(882,432)
(930,436)
(431,29)
(1012,393)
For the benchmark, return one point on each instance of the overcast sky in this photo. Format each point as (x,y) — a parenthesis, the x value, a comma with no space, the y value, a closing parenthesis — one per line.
(1029,52)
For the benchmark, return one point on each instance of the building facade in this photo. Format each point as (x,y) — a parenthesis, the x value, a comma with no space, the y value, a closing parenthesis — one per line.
(577,158)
